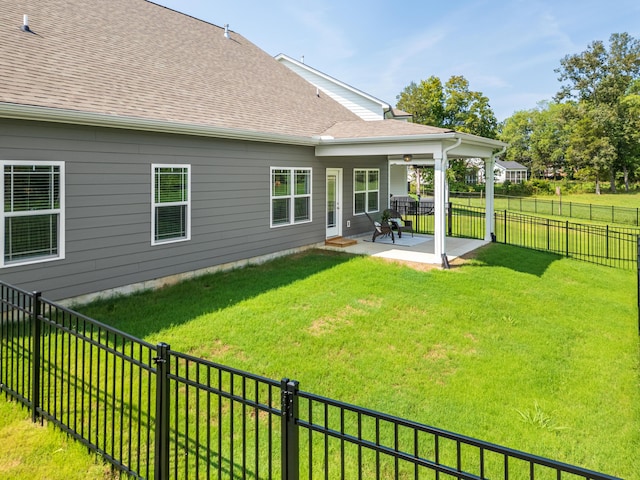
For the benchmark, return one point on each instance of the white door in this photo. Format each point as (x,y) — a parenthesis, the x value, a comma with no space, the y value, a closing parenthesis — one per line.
(334,202)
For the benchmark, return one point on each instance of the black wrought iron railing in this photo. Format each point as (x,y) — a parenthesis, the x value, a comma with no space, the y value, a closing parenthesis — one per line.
(613,246)
(155,413)
(554,207)
(603,245)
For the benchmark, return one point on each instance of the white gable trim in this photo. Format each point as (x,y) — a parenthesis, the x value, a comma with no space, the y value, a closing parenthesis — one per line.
(362,104)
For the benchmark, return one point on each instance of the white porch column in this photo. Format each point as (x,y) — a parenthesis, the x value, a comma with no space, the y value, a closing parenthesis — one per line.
(489,167)
(439,194)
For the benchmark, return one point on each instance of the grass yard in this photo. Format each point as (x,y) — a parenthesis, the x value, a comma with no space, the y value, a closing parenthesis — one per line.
(520,348)
(516,347)
(620,199)
(28,451)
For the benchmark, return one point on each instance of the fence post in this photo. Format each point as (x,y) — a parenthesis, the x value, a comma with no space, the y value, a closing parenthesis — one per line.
(290,448)
(35,355)
(161,444)
(450,219)
(505,227)
(638,283)
(548,235)
(566,229)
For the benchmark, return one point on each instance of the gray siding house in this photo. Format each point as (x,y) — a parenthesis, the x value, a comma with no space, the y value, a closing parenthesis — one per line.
(140,145)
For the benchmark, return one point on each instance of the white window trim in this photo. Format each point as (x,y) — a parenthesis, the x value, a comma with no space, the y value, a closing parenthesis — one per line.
(367,191)
(60,211)
(291,197)
(187,236)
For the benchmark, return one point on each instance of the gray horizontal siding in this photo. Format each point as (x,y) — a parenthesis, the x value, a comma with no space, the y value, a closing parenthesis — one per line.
(108,203)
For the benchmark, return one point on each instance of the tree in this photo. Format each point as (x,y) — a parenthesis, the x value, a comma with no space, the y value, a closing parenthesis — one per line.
(468,111)
(599,79)
(452,106)
(425,101)
(538,138)
(516,131)
(629,159)
(590,152)
(550,137)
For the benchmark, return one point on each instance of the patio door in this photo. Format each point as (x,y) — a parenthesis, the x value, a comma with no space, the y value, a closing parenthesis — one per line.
(334,202)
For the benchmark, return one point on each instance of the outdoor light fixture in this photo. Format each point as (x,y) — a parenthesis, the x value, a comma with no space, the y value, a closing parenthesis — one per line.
(407,157)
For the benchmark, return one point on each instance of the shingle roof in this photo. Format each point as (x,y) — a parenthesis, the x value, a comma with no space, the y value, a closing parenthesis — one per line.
(133,58)
(360,129)
(511,165)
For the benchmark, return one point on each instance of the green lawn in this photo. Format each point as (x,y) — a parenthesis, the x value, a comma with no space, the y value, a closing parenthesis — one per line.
(30,451)
(520,348)
(620,199)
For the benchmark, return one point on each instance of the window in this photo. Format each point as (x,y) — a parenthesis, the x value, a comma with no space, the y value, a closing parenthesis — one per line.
(366,190)
(516,176)
(171,203)
(290,196)
(33,212)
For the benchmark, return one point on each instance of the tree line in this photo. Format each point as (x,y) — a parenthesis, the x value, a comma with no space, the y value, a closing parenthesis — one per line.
(590,130)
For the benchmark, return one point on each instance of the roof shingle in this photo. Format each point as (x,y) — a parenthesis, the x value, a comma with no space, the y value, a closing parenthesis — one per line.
(133,58)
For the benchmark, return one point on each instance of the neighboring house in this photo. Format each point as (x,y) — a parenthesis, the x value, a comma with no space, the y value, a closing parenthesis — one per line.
(139,145)
(512,171)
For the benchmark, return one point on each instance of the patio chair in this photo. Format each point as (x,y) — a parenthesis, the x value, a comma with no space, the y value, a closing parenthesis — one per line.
(397,222)
(381,229)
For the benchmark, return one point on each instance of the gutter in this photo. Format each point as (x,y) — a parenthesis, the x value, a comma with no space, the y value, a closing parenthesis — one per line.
(60,115)
(75,117)
(468,138)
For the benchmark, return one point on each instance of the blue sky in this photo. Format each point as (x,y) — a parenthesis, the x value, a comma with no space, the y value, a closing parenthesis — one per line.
(508,50)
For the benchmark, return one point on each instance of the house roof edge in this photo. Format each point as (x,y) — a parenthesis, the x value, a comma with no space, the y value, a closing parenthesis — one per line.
(452,135)
(74,117)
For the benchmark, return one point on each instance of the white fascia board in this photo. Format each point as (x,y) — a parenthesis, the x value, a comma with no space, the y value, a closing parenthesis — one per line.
(369,149)
(471,146)
(287,58)
(56,115)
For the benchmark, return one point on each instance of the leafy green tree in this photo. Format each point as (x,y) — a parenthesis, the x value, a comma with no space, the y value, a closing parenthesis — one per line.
(516,131)
(425,101)
(599,79)
(550,137)
(629,159)
(538,138)
(450,106)
(468,111)
(590,151)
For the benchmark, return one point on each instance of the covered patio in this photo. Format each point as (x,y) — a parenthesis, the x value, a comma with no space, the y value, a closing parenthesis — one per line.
(405,145)
(422,252)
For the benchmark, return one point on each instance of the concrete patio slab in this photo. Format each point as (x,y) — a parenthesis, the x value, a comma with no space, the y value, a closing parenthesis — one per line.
(421,253)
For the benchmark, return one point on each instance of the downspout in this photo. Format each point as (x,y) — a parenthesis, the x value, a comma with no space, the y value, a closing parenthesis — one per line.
(446,150)
(442,223)
(446,158)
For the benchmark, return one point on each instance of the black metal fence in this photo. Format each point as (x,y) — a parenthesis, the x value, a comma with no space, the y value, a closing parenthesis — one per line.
(555,207)
(462,221)
(600,244)
(603,245)
(156,413)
